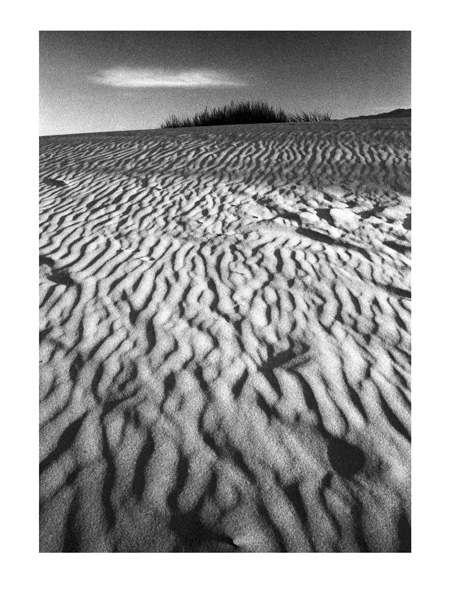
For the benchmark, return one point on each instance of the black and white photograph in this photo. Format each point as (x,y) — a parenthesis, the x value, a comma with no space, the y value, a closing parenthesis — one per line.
(225,291)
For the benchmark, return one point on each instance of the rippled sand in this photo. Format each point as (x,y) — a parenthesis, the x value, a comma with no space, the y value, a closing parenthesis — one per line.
(225,339)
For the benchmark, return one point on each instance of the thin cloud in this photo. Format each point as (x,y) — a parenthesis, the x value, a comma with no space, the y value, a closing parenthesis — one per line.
(141,78)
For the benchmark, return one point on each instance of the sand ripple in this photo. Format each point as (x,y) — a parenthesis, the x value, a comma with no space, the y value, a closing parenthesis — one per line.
(225,339)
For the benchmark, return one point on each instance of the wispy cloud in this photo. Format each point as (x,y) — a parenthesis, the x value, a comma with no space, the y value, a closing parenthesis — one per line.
(147,77)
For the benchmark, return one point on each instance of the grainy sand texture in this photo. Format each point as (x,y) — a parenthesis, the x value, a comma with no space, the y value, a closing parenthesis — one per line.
(225,339)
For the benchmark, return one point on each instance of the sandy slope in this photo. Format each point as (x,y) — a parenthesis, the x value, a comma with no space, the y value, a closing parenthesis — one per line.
(225,339)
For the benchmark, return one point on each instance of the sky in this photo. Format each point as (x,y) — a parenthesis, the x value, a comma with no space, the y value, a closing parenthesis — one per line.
(92,81)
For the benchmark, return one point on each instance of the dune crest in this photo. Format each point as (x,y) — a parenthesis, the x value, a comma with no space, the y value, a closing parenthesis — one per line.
(225,339)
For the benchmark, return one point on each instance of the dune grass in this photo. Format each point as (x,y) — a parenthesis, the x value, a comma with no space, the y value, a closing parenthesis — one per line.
(246,112)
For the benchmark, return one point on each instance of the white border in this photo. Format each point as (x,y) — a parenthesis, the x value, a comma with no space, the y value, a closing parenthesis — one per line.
(26,572)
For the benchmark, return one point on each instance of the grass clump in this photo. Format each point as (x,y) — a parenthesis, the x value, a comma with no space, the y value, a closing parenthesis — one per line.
(307,117)
(246,112)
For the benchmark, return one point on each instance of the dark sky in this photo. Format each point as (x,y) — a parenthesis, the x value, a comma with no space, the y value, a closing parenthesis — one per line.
(106,80)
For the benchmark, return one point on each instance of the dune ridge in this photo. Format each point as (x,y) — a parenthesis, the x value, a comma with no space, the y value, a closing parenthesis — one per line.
(225,339)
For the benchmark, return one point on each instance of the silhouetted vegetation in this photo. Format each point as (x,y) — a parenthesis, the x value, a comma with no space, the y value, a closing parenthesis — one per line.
(242,113)
(307,117)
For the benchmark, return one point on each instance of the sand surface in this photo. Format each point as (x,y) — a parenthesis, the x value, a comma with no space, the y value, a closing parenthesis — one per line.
(225,339)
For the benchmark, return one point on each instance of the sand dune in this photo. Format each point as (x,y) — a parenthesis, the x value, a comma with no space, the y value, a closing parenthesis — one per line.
(225,339)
